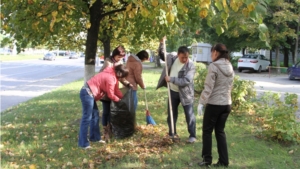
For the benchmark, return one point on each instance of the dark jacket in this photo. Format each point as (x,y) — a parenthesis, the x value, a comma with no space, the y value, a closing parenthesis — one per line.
(185,79)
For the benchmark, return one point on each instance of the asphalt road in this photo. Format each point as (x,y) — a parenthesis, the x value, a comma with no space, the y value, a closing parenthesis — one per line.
(265,82)
(272,82)
(23,80)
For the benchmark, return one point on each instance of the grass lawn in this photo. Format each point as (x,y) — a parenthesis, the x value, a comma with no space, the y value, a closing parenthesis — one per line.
(19,57)
(42,133)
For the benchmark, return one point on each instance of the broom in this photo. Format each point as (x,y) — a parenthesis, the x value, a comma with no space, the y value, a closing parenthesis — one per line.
(149,119)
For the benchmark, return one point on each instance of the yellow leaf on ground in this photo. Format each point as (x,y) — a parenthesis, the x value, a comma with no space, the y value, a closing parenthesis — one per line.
(39,14)
(54,14)
(32,166)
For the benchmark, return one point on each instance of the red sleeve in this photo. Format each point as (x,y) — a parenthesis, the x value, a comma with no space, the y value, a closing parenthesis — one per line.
(110,90)
(118,91)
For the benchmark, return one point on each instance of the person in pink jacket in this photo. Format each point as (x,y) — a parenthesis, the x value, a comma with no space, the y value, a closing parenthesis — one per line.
(105,82)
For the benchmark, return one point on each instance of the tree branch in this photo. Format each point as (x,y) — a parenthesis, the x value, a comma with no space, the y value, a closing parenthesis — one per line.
(113,11)
(87,3)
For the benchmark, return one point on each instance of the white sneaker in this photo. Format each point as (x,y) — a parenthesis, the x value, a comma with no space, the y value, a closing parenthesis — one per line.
(191,140)
(88,147)
(102,141)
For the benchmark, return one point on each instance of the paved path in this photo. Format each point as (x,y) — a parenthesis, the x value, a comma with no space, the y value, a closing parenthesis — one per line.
(23,80)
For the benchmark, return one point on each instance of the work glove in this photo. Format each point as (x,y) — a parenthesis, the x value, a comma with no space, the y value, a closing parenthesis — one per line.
(200,109)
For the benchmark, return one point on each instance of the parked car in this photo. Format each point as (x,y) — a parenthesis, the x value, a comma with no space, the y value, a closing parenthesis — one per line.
(73,55)
(82,54)
(102,59)
(294,71)
(61,53)
(254,62)
(49,56)
(5,51)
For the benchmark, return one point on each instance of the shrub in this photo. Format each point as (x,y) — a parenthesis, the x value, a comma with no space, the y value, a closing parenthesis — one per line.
(277,118)
(242,95)
(199,79)
(234,61)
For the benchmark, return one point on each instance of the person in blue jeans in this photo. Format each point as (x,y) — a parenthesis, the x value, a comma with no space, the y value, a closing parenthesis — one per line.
(104,83)
(135,68)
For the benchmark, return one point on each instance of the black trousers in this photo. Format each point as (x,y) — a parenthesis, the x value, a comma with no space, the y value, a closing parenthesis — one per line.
(189,115)
(215,117)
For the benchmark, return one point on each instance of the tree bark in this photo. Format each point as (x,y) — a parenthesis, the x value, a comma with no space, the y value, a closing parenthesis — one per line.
(157,61)
(106,46)
(243,51)
(91,41)
(286,57)
(277,60)
(297,43)
(271,57)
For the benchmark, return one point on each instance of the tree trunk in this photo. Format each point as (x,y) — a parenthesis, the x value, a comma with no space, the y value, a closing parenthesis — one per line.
(293,56)
(157,61)
(286,57)
(243,51)
(271,57)
(106,46)
(297,44)
(277,60)
(91,41)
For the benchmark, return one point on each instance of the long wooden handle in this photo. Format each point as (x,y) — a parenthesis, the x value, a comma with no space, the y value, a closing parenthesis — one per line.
(168,85)
(146,100)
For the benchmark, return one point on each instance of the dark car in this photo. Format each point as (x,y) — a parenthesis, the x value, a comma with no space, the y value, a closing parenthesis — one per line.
(294,71)
(61,53)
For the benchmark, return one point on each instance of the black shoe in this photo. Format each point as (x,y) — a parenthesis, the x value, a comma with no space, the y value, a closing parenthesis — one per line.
(218,164)
(203,164)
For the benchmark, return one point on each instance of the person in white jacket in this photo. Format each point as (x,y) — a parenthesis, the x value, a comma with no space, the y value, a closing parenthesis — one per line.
(217,98)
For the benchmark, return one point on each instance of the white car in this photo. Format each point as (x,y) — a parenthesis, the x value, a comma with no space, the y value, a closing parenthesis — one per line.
(49,56)
(254,62)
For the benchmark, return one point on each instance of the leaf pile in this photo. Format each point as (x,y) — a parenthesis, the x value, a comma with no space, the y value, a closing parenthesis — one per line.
(146,142)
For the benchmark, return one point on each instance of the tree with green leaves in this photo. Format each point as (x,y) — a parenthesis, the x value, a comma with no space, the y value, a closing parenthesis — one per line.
(70,24)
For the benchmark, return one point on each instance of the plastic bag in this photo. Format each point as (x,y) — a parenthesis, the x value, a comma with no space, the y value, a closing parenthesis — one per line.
(122,116)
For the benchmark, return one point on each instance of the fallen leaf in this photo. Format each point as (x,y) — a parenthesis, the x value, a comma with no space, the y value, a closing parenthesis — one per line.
(32,166)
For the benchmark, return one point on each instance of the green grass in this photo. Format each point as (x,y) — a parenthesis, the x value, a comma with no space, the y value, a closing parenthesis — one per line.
(21,57)
(42,133)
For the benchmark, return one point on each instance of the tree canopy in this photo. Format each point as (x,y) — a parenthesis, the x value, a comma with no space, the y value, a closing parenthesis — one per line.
(74,23)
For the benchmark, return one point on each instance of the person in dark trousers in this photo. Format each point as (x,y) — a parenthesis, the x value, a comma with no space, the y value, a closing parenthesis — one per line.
(217,98)
(115,59)
(181,75)
(93,90)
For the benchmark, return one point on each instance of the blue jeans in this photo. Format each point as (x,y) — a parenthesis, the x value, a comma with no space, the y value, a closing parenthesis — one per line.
(106,112)
(135,99)
(189,115)
(90,117)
